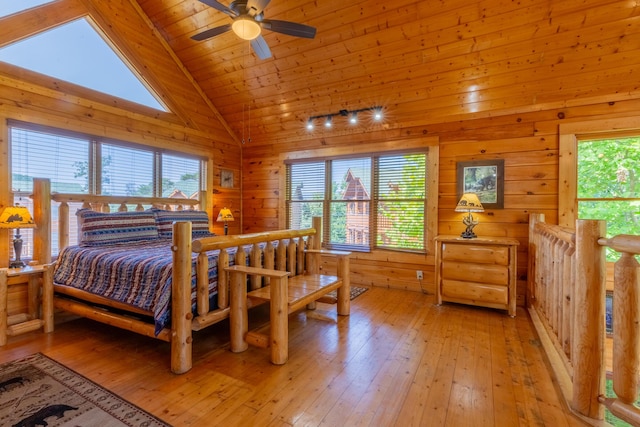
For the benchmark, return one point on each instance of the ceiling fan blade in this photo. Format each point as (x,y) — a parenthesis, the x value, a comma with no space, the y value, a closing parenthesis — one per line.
(255,7)
(289,28)
(212,32)
(260,47)
(219,6)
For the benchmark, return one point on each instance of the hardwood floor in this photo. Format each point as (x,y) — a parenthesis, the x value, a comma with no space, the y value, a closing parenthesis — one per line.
(398,360)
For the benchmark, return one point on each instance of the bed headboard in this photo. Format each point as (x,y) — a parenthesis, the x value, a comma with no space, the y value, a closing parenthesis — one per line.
(56,226)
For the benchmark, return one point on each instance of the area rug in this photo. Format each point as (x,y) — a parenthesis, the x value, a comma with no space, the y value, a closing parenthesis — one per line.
(355,291)
(38,391)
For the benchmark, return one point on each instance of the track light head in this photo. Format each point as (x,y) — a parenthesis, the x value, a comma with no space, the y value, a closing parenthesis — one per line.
(328,122)
(353,118)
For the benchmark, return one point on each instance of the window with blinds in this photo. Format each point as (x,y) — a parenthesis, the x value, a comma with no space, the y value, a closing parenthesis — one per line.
(84,164)
(365,202)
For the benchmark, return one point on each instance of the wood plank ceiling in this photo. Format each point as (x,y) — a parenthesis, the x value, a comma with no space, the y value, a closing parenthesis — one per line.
(425,61)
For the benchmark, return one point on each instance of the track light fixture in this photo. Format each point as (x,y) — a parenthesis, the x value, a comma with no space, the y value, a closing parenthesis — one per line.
(351,115)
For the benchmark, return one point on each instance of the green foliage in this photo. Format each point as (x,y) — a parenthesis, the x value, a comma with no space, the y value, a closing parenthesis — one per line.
(608,177)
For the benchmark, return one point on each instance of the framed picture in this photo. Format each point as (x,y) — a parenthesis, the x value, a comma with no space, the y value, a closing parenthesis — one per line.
(226,178)
(483,177)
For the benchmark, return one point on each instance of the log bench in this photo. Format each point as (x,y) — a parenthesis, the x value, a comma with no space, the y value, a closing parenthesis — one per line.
(286,293)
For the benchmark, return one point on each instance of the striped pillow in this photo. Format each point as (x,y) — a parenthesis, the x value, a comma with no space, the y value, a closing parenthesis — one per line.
(199,222)
(99,229)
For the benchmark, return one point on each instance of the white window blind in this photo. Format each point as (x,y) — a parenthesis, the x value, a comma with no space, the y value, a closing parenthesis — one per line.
(305,193)
(400,201)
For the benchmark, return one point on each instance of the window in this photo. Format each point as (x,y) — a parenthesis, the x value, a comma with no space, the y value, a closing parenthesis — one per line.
(366,202)
(84,164)
(608,185)
(77,52)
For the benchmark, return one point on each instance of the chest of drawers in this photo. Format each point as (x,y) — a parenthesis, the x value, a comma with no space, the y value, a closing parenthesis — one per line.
(480,271)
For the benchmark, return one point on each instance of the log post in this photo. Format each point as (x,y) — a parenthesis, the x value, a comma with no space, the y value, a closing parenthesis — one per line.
(47,298)
(344,291)
(63,226)
(279,313)
(626,318)
(588,347)
(534,218)
(42,218)
(181,316)
(238,317)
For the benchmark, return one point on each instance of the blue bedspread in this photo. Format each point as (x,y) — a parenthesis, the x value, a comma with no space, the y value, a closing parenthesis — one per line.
(138,274)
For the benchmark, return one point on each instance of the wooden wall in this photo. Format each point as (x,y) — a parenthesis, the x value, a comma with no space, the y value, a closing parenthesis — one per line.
(527,142)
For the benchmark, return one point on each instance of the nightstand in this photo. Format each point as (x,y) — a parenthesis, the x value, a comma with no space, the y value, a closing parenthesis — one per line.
(39,313)
(479,271)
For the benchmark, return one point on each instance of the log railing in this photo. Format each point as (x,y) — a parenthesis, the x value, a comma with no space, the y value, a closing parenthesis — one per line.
(566,299)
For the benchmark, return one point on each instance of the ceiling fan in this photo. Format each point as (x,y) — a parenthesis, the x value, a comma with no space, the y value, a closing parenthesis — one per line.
(248,22)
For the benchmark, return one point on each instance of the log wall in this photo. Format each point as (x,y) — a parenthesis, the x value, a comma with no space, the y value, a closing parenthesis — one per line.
(527,142)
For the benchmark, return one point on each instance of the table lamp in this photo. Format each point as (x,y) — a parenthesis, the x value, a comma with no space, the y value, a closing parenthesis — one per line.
(469,202)
(16,217)
(225,216)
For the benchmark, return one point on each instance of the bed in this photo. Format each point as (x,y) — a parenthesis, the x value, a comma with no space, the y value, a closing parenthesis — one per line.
(157,272)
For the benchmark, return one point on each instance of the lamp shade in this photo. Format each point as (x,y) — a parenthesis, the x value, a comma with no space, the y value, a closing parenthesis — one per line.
(469,202)
(16,217)
(225,215)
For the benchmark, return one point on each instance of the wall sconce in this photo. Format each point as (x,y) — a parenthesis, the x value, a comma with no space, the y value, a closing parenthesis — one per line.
(351,115)
(16,217)
(225,216)
(469,202)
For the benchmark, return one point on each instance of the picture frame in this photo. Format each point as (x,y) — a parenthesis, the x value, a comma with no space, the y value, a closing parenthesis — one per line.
(483,177)
(226,178)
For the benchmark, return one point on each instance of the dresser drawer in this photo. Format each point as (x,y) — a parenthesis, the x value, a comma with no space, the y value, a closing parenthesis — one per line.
(454,290)
(485,254)
(482,273)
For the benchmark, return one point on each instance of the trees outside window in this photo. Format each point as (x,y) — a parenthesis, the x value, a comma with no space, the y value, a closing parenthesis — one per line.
(608,183)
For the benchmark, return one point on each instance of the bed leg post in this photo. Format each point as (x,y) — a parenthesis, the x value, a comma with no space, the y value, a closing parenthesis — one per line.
(181,315)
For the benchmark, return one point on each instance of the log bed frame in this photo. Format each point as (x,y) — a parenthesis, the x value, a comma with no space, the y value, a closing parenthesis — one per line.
(183,321)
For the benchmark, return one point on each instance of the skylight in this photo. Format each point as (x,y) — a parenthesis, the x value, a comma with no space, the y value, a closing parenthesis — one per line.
(10,7)
(76,53)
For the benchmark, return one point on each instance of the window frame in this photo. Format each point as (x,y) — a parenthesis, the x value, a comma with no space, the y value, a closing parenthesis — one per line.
(428,145)
(570,136)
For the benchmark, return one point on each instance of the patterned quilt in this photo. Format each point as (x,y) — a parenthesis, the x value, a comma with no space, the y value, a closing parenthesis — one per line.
(137,273)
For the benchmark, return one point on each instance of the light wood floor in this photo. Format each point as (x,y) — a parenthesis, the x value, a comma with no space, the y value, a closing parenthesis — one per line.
(398,360)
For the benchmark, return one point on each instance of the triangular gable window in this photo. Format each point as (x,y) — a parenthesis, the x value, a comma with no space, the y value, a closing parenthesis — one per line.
(75,52)
(10,7)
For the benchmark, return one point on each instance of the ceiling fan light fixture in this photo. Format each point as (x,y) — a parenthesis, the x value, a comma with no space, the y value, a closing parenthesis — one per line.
(246,28)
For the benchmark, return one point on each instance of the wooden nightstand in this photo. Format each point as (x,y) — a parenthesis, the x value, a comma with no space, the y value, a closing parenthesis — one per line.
(39,305)
(480,271)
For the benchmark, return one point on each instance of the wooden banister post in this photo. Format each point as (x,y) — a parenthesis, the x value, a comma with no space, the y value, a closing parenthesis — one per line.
(534,218)
(344,291)
(588,348)
(626,317)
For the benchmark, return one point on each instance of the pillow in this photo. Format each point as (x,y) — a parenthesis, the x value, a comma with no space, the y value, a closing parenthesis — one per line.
(199,222)
(99,229)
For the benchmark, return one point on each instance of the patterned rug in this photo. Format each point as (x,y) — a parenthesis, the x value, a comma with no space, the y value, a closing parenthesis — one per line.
(37,391)
(355,291)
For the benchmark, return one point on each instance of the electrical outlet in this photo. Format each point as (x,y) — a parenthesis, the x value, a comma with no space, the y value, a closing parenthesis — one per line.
(419,274)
